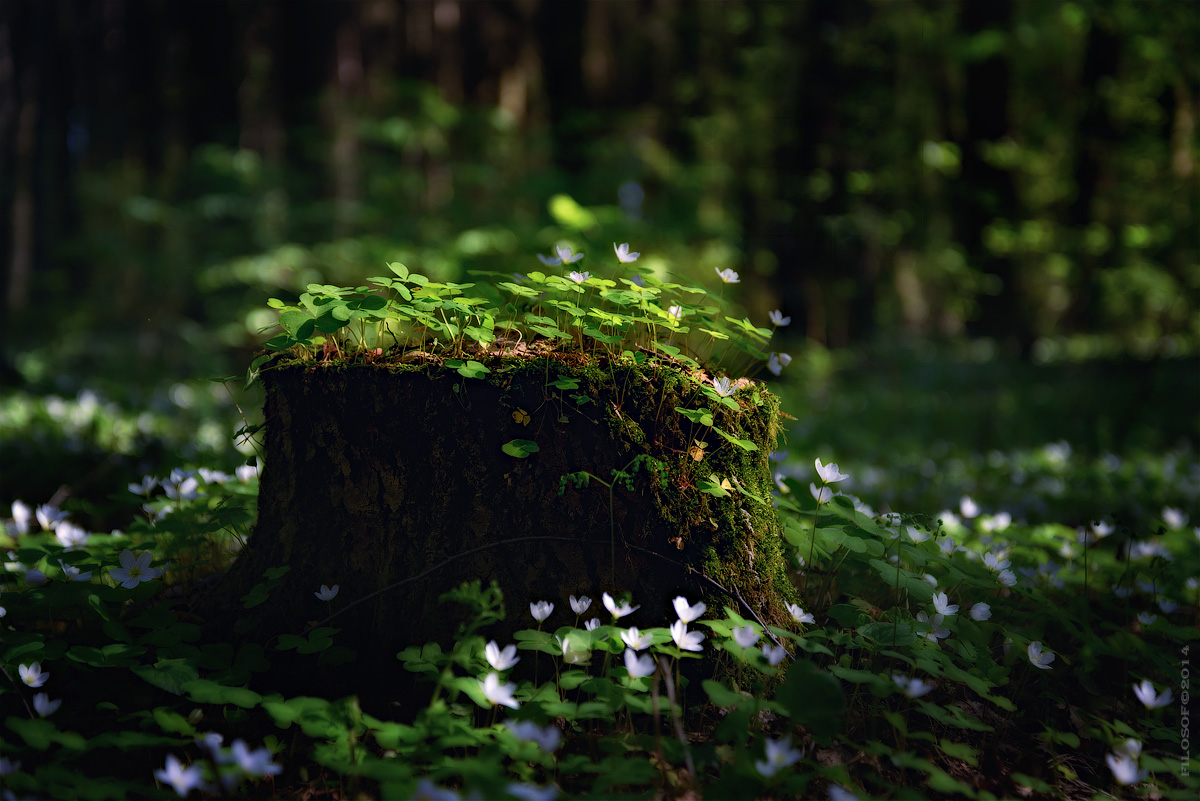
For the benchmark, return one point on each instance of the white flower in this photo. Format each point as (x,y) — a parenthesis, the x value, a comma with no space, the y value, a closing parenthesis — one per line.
(636,640)
(930,579)
(723,386)
(777,318)
(44,706)
(254,763)
(579,278)
(727,275)
(35,577)
(501,660)
(70,536)
(997,522)
(942,604)
(1007,578)
(184,780)
(686,640)
(777,361)
(995,561)
(1130,748)
(1145,693)
(829,473)
(615,610)
(745,636)
(1039,658)
(675,311)
(913,687)
(33,675)
(547,738)
(580,605)
(968,507)
(773,653)
(981,611)
(327,593)
(623,254)
(593,624)
(1103,529)
(565,254)
(1174,518)
(246,472)
(1167,605)
(780,755)
(133,571)
(497,693)
(72,572)
(145,486)
(1124,769)
(916,535)
(937,632)
(800,615)
(688,613)
(22,514)
(1146,618)
(182,486)
(549,261)
(49,516)
(541,610)
(638,666)
(8,766)
(820,494)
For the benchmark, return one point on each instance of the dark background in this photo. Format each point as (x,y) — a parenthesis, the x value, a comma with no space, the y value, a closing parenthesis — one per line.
(1011,183)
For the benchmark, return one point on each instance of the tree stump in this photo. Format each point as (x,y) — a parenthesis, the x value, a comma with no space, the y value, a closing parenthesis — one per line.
(377,474)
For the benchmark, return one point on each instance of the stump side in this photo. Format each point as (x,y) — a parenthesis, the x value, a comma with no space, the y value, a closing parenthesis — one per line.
(373,476)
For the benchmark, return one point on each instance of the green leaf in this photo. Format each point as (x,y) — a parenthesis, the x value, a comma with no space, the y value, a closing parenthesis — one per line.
(813,698)
(744,444)
(897,634)
(520,448)
(203,691)
(168,674)
(398,268)
(172,722)
(721,695)
(702,416)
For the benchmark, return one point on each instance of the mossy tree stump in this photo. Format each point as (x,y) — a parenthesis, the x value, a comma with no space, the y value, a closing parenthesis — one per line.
(378,474)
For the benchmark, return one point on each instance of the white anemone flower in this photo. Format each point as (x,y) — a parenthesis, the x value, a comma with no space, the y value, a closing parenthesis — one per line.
(830,473)
(623,254)
(686,640)
(501,659)
(638,666)
(780,755)
(685,612)
(745,636)
(618,611)
(1149,698)
(1039,658)
(499,694)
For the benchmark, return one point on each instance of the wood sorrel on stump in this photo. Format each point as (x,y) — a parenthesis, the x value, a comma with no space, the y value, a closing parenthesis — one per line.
(401,482)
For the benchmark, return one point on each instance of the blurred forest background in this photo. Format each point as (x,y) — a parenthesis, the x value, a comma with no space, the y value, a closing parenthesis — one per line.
(982,217)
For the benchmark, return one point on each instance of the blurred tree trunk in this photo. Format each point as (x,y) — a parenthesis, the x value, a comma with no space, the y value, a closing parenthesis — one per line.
(1094,137)
(985,192)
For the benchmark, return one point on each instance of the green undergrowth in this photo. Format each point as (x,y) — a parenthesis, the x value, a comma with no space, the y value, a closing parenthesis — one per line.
(929,653)
(875,686)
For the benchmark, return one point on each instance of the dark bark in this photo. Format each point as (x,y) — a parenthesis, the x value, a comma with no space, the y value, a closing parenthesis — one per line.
(374,477)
